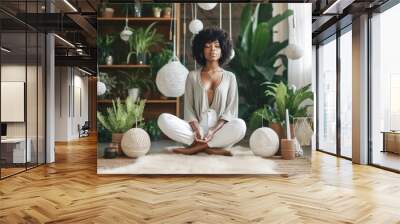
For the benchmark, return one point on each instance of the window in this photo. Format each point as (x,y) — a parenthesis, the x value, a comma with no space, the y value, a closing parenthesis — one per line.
(385,89)
(327,97)
(346,94)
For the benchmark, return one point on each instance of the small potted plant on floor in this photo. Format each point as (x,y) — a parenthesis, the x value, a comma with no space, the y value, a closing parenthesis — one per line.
(106,10)
(104,44)
(141,42)
(289,98)
(121,117)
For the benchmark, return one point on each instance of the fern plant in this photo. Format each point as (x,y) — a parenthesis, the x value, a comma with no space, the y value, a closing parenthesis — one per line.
(122,116)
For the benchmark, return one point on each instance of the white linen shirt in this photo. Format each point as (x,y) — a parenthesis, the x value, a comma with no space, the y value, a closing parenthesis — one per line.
(225,101)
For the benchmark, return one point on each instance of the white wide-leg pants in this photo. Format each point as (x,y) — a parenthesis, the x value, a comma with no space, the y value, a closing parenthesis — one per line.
(180,131)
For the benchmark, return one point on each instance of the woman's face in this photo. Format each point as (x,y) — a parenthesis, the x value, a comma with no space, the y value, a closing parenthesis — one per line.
(212,51)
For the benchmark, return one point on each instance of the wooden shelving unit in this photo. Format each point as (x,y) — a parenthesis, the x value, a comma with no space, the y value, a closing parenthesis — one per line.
(139,19)
(147,101)
(124,66)
(155,106)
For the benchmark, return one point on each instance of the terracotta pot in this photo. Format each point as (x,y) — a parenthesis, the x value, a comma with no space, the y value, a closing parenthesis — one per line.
(288,148)
(167,12)
(278,129)
(108,12)
(292,133)
(281,131)
(116,138)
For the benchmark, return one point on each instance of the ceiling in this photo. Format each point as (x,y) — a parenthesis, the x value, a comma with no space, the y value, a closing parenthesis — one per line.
(72,20)
(332,15)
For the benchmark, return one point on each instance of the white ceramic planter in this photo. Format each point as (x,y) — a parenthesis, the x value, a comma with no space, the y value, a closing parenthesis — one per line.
(134,93)
(109,60)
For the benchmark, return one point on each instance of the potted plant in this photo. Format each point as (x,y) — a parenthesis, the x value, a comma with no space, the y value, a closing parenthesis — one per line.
(167,9)
(121,117)
(157,8)
(152,128)
(106,10)
(136,84)
(291,98)
(104,44)
(141,41)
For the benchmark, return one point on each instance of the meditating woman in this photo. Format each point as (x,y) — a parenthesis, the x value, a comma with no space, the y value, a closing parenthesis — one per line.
(211,122)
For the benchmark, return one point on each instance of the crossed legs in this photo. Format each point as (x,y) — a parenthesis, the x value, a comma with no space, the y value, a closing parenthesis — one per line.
(180,131)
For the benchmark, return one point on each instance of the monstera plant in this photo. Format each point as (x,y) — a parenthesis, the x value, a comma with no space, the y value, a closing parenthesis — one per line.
(258,56)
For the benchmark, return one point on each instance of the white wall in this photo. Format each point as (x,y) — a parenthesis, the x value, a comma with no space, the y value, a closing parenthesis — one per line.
(71,94)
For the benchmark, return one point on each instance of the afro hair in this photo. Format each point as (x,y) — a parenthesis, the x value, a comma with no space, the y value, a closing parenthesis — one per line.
(210,35)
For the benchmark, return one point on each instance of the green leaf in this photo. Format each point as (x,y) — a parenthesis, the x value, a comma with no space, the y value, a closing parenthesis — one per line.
(245,18)
(265,12)
(279,18)
(255,18)
(246,38)
(261,38)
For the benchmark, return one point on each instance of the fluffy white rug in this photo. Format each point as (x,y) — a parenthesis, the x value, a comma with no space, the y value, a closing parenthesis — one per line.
(164,162)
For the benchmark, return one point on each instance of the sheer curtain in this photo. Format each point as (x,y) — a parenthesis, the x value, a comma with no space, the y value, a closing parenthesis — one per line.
(300,70)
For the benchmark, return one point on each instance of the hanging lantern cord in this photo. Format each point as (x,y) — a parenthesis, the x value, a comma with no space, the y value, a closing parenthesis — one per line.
(195,10)
(230,21)
(294,28)
(184,33)
(174,37)
(220,15)
(126,18)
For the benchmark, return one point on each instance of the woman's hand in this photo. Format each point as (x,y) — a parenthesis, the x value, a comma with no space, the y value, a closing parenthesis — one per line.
(197,135)
(210,135)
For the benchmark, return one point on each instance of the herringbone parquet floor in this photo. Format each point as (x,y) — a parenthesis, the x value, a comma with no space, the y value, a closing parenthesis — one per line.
(70,191)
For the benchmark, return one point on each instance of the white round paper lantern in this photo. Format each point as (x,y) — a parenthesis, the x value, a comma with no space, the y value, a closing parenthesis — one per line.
(171,78)
(135,142)
(207,6)
(101,88)
(294,51)
(264,142)
(126,34)
(232,54)
(195,26)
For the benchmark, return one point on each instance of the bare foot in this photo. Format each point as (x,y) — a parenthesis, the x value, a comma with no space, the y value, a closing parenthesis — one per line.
(193,149)
(218,151)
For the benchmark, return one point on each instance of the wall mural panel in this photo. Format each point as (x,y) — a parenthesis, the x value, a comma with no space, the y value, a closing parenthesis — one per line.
(201,89)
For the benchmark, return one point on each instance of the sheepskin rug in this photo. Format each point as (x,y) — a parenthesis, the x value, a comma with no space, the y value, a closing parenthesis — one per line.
(160,160)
